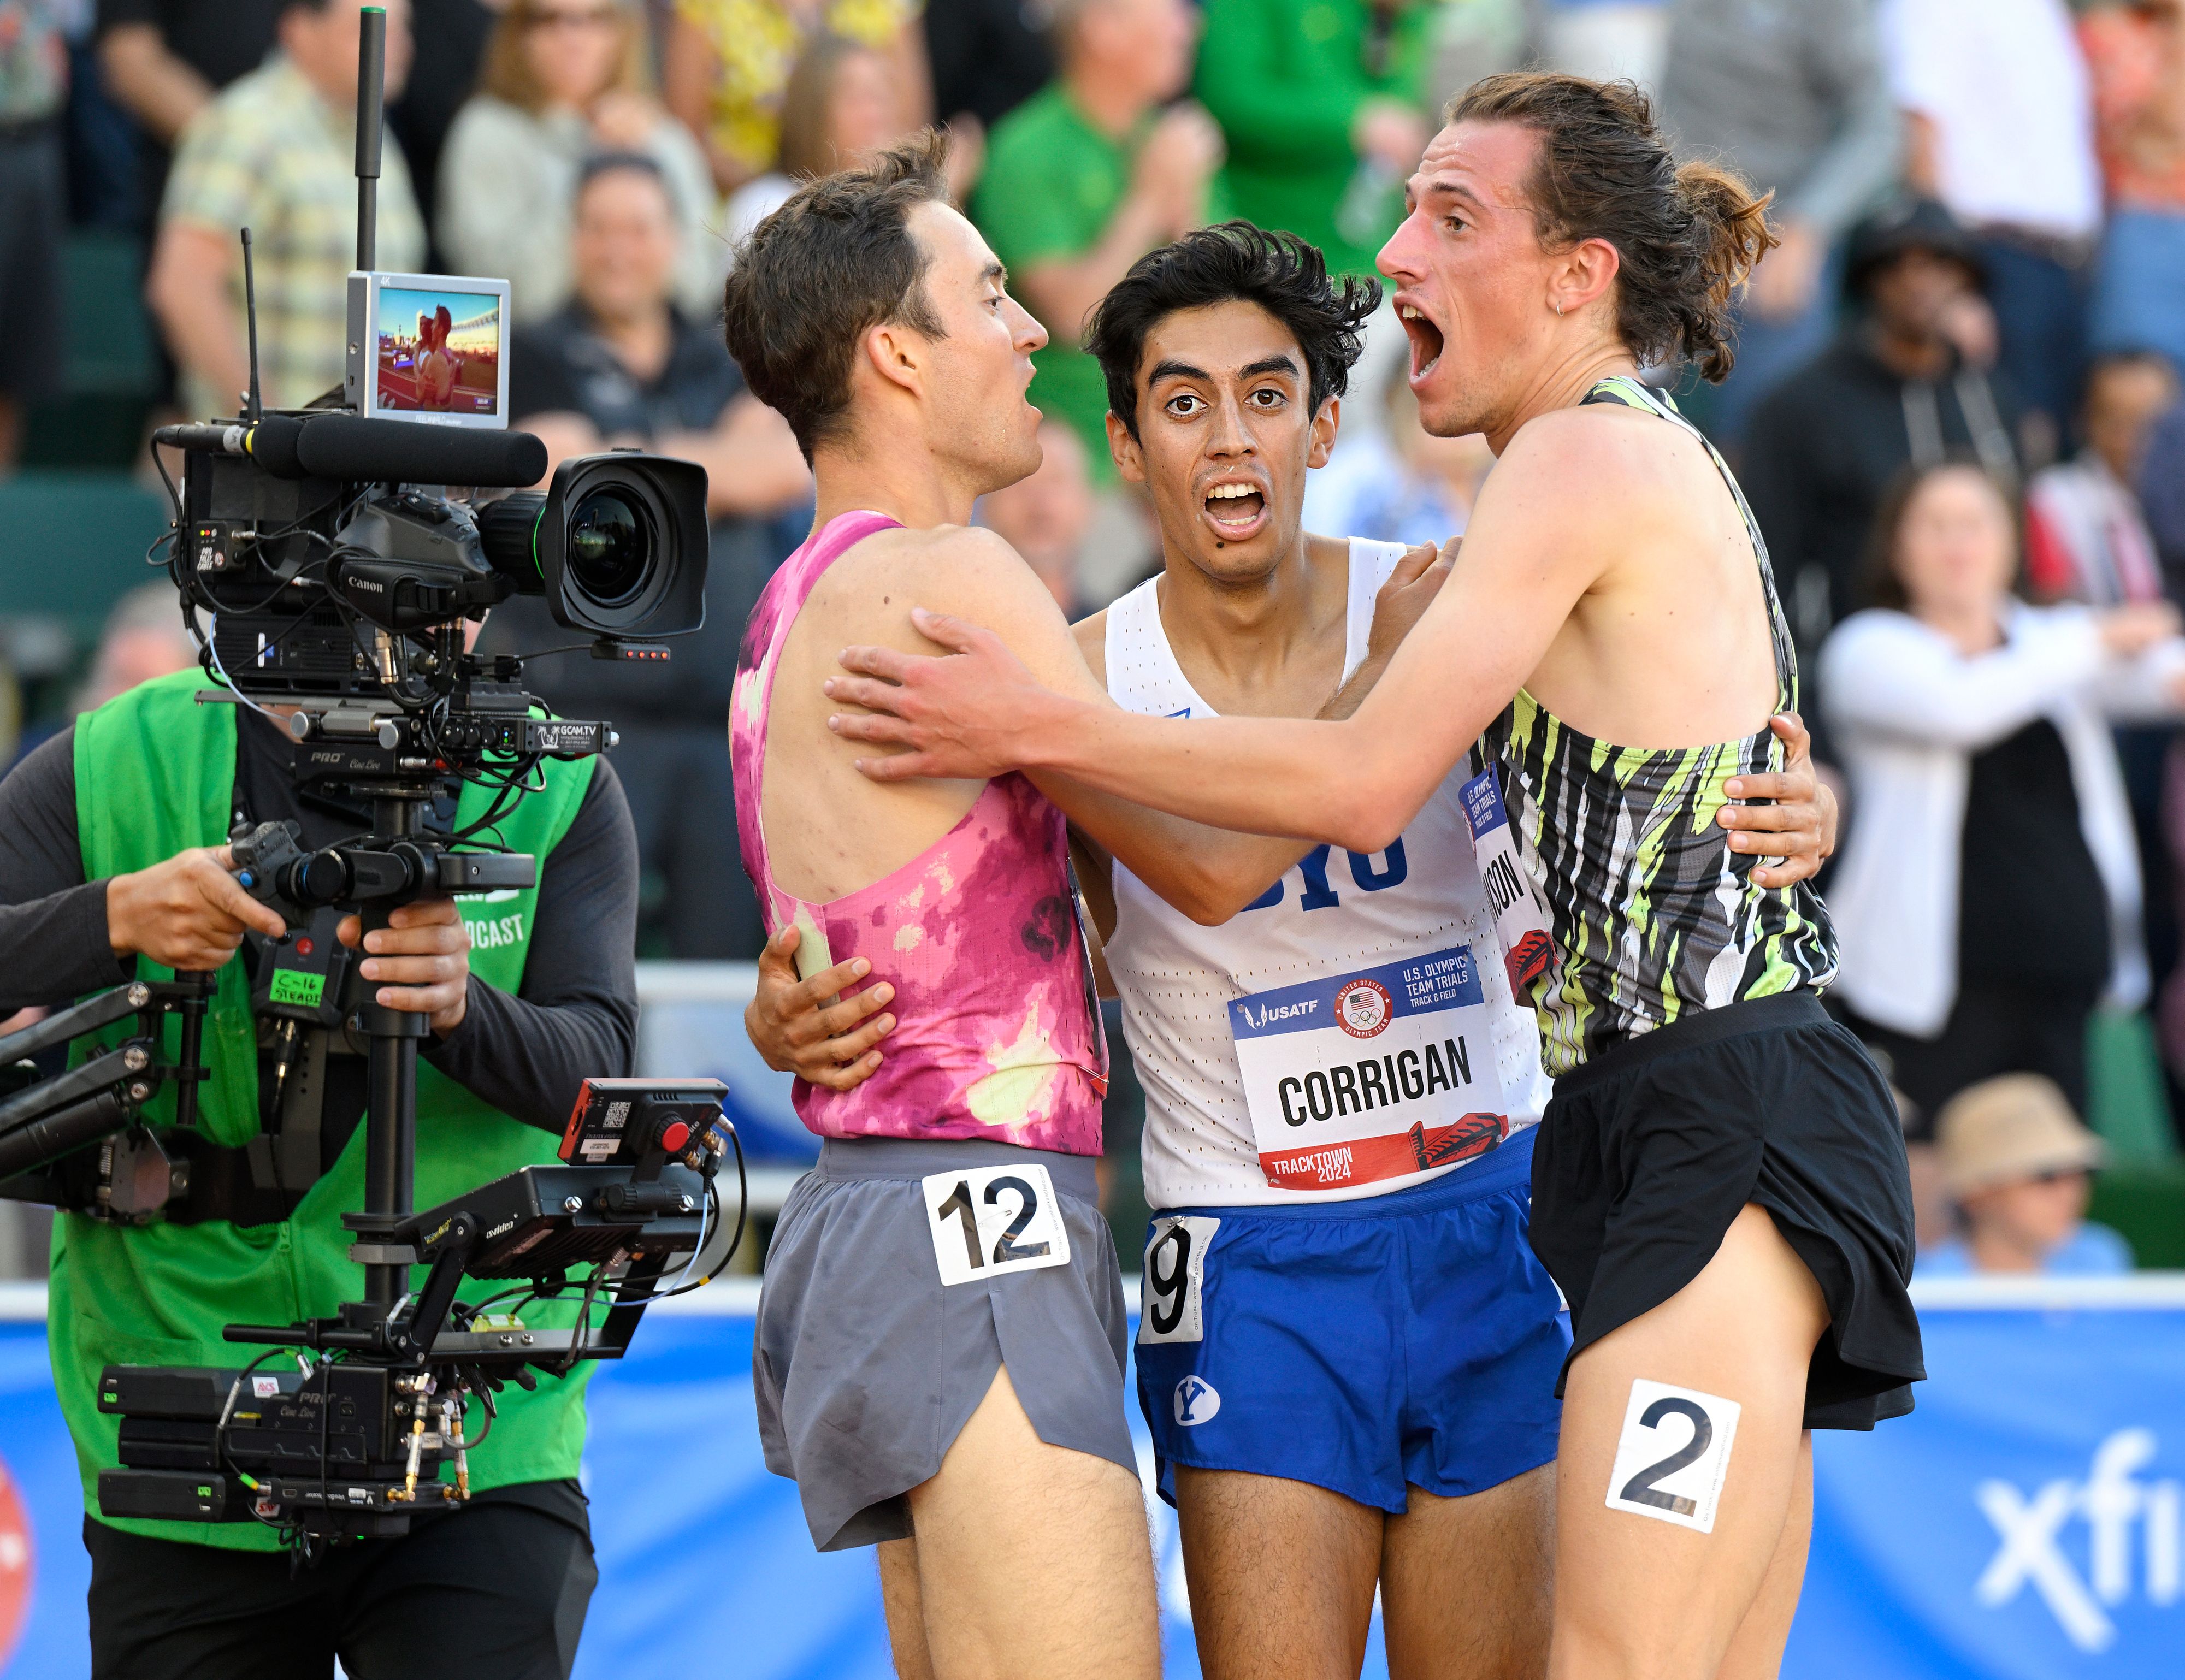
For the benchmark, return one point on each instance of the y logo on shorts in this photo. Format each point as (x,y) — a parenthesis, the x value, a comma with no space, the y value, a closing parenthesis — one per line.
(1196,1401)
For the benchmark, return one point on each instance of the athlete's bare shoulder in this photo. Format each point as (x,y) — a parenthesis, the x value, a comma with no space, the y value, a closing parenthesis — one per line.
(1598,472)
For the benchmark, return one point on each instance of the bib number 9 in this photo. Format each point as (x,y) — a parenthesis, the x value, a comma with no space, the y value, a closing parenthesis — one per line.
(1173,1280)
(993,1221)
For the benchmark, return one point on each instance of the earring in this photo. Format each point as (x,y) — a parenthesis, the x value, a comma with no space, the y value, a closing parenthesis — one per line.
(1557,307)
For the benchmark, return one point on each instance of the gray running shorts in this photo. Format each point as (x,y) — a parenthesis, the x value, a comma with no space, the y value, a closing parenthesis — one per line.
(868,1367)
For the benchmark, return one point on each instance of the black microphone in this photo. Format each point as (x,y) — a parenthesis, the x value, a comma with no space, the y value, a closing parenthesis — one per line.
(354,449)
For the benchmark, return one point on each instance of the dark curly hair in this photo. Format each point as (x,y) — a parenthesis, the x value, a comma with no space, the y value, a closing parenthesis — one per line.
(835,262)
(1234,262)
(1689,236)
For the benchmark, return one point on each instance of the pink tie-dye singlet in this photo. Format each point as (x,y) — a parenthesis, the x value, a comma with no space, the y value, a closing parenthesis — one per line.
(978,935)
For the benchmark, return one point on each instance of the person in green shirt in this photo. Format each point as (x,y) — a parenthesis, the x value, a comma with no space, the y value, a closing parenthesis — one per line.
(1087,175)
(113,869)
(1321,104)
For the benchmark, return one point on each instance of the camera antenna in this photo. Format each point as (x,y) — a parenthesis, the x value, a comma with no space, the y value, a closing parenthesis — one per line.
(370,100)
(253,404)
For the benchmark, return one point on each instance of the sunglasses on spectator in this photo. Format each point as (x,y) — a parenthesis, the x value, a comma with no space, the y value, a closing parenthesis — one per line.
(588,17)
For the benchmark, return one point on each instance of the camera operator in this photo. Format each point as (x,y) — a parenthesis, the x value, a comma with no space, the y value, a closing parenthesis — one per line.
(112,867)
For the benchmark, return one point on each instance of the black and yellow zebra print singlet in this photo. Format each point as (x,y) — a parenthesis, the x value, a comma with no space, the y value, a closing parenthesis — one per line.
(1652,915)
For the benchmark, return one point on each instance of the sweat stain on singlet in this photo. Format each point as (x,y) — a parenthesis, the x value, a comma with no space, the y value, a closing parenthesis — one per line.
(995,1037)
(1652,915)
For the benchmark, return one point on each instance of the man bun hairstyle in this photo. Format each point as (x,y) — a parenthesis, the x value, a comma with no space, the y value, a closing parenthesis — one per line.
(1235,262)
(810,280)
(1688,235)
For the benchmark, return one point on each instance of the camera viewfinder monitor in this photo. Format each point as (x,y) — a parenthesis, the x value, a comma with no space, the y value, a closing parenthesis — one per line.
(431,348)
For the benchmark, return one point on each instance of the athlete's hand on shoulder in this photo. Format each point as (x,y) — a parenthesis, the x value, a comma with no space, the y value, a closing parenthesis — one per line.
(422,959)
(959,715)
(796,1031)
(1410,588)
(188,913)
(1799,827)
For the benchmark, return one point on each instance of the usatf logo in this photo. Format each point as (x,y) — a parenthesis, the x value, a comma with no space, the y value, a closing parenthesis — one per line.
(1196,1401)
(2117,1510)
(1364,1008)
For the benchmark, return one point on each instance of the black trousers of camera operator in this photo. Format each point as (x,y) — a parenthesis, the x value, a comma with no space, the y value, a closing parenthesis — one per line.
(496,1591)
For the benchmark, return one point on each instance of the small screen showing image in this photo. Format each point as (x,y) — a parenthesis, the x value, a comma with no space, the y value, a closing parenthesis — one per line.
(439,352)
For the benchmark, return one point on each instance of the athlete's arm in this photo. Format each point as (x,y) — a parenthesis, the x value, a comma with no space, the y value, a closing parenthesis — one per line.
(1532,550)
(1209,874)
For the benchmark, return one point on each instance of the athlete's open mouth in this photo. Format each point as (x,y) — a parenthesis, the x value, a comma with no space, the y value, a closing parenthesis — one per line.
(1235,508)
(1425,340)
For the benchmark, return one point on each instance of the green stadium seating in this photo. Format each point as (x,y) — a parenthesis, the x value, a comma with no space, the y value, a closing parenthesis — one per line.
(112,359)
(76,543)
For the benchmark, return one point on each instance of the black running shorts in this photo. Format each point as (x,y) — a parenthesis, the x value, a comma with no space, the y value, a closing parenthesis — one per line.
(1646,1154)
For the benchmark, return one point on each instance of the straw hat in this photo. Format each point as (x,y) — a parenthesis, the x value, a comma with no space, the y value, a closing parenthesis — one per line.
(2006,1130)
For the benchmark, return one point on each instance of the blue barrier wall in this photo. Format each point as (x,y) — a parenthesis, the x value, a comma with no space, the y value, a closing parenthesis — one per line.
(2024,1524)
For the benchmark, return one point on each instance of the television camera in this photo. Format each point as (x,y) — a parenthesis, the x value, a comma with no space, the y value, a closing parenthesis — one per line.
(327,574)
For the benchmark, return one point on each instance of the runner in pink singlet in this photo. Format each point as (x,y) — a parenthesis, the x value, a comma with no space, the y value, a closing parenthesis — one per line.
(978,935)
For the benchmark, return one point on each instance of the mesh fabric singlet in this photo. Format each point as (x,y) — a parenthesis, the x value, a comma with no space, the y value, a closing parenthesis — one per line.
(1653,916)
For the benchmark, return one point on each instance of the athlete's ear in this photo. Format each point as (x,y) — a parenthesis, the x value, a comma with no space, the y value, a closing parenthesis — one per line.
(1581,275)
(1124,448)
(897,355)
(1325,424)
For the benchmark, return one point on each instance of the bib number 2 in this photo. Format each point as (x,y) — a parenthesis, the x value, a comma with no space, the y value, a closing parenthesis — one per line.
(1674,1454)
(993,1220)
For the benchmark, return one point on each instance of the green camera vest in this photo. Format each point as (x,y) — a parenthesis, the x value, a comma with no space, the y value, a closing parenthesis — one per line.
(155,776)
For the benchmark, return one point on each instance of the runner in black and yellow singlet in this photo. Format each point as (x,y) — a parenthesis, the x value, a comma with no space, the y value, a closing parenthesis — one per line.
(1652,915)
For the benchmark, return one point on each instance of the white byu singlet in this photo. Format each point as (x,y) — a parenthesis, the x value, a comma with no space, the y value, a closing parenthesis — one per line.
(1293,1004)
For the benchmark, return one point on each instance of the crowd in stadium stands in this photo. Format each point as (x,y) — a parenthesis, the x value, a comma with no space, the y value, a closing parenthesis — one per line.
(1956,408)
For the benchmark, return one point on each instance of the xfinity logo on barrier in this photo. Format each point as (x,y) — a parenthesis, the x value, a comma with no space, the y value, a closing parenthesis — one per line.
(2127,1522)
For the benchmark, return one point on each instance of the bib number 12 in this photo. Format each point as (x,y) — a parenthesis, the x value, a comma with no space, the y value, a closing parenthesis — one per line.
(993,1220)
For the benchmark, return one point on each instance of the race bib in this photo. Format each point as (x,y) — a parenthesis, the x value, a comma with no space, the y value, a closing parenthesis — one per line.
(990,1220)
(1174,1275)
(1353,1078)
(1519,925)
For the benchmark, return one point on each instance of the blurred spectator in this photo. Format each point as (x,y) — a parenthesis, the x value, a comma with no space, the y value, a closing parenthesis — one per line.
(2016,1161)
(988,57)
(1791,92)
(1047,517)
(841,108)
(451,36)
(1394,482)
(1322,103)
(2086,539)
(2001,131)
(2162,493)
(564,80)
(620,364)
(1608,40)
(1086,177)
(2136,56)
(33,208)
(1988,895)
(1476,38)
(728,61)
(163,60)
(1893,390)
(276,154)
(143,637)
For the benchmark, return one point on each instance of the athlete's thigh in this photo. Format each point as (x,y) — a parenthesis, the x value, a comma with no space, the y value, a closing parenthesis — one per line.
(1638,1594)
(1468,1584)
(906,1616)
(1280,1572)
(1756,1650)
(1033,1558)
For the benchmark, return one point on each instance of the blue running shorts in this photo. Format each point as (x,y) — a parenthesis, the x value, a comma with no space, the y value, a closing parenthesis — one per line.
(1411,1339)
